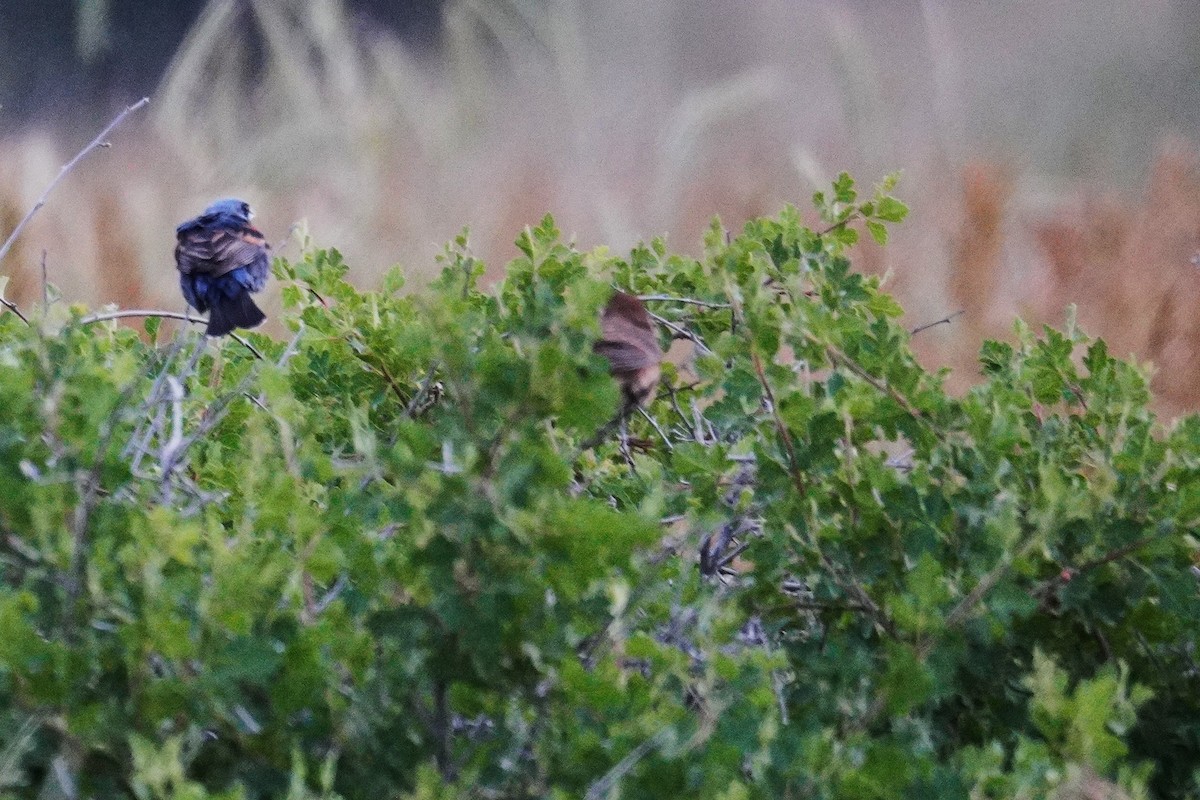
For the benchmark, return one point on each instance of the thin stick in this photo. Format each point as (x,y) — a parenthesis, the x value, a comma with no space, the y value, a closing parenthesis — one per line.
(653,422)
(151,397)
(138,312)
(942,321)
(135,312)
(600,435)
(99,141)
(1069,573)
(45,283)
(841,224)
(11,306)
(663,298)
(781,428)
(172,448)
(604,786)
(156,424)
(836,355)
(695,434)
(88,488)
(682,332)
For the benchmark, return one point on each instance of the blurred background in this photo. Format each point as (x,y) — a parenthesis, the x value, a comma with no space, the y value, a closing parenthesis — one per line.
(1049,147)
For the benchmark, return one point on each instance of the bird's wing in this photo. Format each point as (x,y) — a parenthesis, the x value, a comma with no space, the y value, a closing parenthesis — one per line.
(218,250)
(629,341)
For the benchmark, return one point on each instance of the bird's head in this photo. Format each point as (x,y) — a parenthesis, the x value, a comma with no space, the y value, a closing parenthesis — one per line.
(233,207)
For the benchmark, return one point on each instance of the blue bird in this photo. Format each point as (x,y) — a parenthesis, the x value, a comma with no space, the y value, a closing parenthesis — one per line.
(221,259)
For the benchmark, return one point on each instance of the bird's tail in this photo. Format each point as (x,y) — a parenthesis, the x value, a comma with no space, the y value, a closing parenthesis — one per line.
(227,313)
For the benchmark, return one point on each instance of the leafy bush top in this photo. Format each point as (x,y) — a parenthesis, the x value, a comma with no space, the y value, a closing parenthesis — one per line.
(377,560)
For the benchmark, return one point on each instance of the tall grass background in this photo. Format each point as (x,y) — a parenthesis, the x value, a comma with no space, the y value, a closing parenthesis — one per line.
(1049,149)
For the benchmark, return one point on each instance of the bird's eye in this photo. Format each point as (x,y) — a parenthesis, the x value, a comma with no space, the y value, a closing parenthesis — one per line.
(246,209)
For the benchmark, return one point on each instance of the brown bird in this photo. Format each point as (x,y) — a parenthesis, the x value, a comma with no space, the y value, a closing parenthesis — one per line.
(631,347)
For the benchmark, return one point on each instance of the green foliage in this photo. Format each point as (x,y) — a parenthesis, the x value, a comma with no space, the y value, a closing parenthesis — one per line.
(379,562)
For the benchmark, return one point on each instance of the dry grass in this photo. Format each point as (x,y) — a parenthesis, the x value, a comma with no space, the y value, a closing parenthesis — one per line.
(1129,266)
(1125,262)
(631,119)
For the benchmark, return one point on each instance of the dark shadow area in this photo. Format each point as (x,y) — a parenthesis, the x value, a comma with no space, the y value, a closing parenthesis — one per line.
(59,63)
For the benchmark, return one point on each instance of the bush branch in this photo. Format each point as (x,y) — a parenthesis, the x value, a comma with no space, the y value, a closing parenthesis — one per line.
(837,356)
(662,298)
(11,306)
(942,321)
(682,333)
(99,141)
(785,436)
(135,312)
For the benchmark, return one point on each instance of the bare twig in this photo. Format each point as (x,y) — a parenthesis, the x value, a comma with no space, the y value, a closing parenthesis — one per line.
(600,435)
(105,316)
(849,583)
(785,436)
(841,224)
(376,366)
(11,306)
(663,298)
(1068,573)
(714,549)
(45,282)
(327,599)
(88,488)
(137,443)
(682,333)
(171,449)
(851,586)
(320,299)
(836,355)
(256,401)
(441,729)
(604,786)
(701,422)
(963,609)
(292,347)
(654,423)
(902,462)
(217,410)
(942,321)
(99,141)
(687,424)
(288,352)
(135,312)
(246,344)
(623,442)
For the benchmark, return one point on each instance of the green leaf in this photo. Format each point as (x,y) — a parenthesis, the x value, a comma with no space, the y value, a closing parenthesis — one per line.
(889,209)
(878,232)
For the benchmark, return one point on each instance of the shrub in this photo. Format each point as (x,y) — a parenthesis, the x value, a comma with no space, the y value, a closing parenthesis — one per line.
(376,560)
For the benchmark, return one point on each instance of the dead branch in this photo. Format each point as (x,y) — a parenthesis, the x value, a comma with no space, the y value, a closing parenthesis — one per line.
(11,306)
(135,312)
(942,321)
(99,141)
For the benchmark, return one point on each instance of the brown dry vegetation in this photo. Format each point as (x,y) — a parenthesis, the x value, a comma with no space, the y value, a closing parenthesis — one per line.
(1130,269)
(1127,264)
(632,119)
